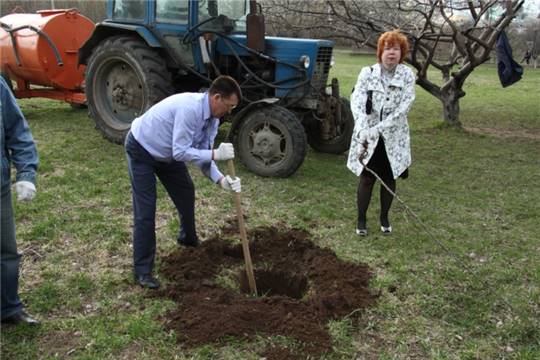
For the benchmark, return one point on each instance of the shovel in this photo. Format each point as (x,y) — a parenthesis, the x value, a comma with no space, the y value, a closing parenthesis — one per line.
(242,227)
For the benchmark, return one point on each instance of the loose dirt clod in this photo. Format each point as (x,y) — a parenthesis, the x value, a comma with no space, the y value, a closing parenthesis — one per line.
(301,287)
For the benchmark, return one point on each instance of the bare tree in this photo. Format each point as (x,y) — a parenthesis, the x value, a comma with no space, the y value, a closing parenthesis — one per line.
(452,36)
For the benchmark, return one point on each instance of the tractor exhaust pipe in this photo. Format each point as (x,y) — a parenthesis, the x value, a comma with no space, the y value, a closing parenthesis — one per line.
(255,28)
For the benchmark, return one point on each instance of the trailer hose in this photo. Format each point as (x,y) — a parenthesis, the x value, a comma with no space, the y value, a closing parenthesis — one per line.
(11,30)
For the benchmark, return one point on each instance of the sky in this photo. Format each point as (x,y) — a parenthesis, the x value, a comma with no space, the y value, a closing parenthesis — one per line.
(532,7)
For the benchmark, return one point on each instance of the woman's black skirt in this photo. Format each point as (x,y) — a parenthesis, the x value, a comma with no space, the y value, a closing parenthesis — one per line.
(380,165)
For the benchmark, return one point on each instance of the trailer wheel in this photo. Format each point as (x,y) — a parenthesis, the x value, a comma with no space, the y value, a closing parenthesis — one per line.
(342,141)
(271,141)
(124,78)
(76,106)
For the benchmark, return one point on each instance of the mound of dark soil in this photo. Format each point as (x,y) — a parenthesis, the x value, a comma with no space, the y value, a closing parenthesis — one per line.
(300,286)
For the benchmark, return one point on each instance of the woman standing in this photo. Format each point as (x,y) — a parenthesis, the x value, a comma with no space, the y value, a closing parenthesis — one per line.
(380,102)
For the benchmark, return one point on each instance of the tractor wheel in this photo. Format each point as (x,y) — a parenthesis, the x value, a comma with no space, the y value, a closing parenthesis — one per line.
(271,141)
(342,141)
(124,78)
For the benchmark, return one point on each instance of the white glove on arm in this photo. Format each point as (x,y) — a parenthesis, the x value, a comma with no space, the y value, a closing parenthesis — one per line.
(368,135)
(362,137)
(225,151)
(228,183)
(25,190)
(372,133)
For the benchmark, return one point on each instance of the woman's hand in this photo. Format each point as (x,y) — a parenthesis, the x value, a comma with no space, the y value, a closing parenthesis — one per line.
(368,135)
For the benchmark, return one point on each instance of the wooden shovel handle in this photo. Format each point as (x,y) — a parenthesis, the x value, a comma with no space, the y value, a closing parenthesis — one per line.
(243,235)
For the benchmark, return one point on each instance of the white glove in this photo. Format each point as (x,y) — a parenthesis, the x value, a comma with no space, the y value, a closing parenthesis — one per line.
(362,137)
(25,190)
(372,134)
(225,151)
(228,183)
(368,135)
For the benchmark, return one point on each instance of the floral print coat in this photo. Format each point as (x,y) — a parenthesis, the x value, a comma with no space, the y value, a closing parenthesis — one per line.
(389,115)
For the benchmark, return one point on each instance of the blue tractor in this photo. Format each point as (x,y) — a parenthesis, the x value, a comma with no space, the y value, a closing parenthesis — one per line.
(147,50)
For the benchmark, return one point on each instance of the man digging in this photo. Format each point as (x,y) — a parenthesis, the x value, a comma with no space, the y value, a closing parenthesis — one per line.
(179,129)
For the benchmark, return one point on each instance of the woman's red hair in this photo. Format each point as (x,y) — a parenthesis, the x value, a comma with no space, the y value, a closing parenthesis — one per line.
(392,38)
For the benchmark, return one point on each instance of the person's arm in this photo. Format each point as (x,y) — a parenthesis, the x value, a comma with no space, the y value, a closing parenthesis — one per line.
(210,169)
(184,128)
(19,141)
(400,112)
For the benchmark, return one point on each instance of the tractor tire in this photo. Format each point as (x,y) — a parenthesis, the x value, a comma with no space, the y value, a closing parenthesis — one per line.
(124,78)
(340,143)
(271,141)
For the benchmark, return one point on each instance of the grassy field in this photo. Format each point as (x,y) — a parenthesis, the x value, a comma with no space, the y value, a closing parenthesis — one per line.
(476,191)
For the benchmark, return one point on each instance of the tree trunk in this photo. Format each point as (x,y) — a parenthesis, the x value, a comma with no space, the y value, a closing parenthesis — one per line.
(450,99)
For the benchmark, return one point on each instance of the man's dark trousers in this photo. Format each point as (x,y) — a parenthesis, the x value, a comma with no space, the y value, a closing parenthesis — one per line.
(174,175)
(9,264)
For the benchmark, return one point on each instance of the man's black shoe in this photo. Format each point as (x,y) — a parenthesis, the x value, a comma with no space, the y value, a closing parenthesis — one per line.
(182,239)
(147,281)
(21,318)
(194,244)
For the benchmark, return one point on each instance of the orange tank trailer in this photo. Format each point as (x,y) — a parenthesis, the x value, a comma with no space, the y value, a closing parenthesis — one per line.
(42,49)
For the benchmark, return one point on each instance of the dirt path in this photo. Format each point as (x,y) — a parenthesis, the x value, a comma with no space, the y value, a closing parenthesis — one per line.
(302,287)
(505,133)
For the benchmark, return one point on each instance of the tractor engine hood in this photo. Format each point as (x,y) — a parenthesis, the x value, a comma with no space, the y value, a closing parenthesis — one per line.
(317,53)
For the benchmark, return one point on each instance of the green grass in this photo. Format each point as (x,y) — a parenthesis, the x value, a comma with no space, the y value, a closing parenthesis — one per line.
(476,192)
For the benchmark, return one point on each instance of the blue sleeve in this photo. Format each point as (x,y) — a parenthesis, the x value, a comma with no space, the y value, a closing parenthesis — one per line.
(184,128)
(210,169)
(19,144)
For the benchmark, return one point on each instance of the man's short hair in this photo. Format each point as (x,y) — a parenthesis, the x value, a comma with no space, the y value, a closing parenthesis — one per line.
(225,86)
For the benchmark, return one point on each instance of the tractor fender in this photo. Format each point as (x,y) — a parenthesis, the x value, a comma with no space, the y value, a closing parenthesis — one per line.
(105,30)
(239,117)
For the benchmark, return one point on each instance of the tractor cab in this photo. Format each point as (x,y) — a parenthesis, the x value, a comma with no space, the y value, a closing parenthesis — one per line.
(172,21)
(180,12)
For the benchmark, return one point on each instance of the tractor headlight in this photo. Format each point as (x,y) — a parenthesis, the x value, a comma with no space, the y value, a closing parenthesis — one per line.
(332,61)
(305,61)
